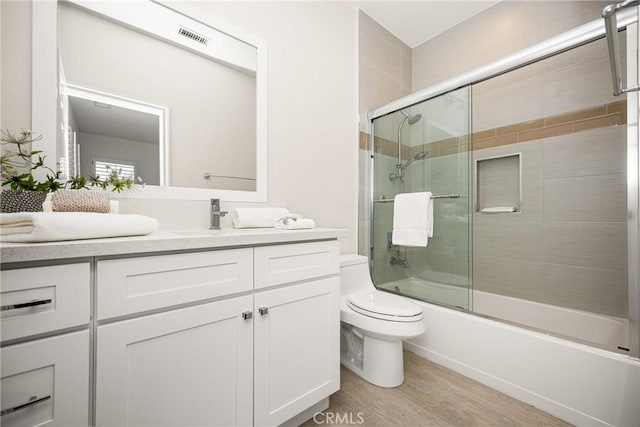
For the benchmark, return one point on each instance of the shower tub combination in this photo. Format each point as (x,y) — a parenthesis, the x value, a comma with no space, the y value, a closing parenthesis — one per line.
(487,170)
(607,332)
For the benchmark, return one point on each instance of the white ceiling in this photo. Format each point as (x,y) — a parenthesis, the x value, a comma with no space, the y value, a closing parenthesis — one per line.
(114,122)
(415,22)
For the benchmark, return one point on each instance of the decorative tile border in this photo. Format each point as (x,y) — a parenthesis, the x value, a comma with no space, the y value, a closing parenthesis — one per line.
(612,114)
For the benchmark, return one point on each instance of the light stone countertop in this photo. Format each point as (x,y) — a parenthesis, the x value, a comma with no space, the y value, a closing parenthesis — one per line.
(160,241)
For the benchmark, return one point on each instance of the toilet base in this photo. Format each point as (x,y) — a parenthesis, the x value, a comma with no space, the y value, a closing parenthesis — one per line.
(382,362)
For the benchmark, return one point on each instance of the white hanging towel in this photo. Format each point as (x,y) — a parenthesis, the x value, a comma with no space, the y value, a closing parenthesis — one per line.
(412,219)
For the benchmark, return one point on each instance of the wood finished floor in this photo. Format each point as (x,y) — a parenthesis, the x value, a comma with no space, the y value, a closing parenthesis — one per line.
(430,396)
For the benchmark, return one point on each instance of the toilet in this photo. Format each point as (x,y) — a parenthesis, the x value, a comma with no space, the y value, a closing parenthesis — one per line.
(373,325)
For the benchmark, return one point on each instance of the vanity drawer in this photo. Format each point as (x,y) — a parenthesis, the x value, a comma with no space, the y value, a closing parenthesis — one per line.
(279,264)
(44,299)
(46,381)
(132,285)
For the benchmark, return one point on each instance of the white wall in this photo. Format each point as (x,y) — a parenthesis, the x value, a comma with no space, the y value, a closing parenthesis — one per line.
(15,64)
(504,28)
(1,73)
(312,104)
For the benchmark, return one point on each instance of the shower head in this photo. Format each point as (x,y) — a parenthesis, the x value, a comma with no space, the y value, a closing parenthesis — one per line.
(414,118)
(421,155)
(411,118)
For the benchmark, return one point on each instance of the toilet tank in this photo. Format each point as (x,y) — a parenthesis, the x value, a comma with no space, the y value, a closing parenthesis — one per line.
(354,274)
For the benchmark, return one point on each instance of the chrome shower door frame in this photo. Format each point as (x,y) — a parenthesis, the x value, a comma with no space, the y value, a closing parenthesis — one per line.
(633,190)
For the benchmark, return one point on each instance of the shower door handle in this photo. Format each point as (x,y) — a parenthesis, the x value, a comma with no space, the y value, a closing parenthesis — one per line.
(611,30)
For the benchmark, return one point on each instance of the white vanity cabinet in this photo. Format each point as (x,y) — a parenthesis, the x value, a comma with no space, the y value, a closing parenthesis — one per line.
(45,353)
(236,329)
(297,344)
(227,337)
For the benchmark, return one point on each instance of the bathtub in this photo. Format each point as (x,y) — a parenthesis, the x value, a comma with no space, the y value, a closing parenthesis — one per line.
(608,332)
(582,384)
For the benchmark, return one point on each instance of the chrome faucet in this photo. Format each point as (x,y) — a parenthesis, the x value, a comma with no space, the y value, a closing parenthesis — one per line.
(399,260)
(216,213)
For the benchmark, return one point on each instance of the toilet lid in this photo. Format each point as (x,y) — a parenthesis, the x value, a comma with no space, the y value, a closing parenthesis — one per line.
(383,305)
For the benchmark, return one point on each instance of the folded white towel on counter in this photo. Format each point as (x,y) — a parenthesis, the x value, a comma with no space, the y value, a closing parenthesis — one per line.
(412,219)
(294,222)
(499,209)
(257,217)
(31,227)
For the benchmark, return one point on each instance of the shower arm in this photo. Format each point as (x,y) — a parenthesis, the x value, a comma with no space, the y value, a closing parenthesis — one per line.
(611,29)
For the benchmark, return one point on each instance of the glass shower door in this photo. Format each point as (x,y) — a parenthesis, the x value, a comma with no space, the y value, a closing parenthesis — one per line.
(422,148)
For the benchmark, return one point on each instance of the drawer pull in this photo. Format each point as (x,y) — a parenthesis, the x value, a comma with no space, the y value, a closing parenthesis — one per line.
(33,303)
(246,315)
(32,401)
(263,311)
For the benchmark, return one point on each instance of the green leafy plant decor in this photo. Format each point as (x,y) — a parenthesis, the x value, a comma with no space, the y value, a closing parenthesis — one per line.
(22,192)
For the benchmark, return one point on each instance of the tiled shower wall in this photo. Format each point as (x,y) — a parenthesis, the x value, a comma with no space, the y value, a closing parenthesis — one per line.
(385,75)
(505,28)
(567,244)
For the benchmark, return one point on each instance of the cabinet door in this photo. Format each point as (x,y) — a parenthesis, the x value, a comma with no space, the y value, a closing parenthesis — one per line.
(46,382)
(186,367)
(297,349)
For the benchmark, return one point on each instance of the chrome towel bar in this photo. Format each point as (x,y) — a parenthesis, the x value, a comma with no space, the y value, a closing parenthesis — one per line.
(434,196)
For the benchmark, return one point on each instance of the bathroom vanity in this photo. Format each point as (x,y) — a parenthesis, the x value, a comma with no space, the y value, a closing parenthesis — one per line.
(234,327)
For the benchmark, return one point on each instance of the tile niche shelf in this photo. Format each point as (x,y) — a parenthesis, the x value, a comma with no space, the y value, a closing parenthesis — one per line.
(498,182)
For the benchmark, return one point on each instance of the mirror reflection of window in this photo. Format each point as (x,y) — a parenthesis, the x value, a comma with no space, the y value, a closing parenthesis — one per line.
(104,167)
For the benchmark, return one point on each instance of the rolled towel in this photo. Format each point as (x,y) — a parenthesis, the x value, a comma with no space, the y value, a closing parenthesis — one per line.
(257,217)
(80,201)
(32,227)
(294,222)
(47,206)
(499,209)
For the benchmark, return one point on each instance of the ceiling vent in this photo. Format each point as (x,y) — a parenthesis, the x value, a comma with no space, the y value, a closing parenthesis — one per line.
(193,36)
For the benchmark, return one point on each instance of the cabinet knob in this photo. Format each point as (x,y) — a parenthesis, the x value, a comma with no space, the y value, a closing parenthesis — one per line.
(263,310)
(247,315)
